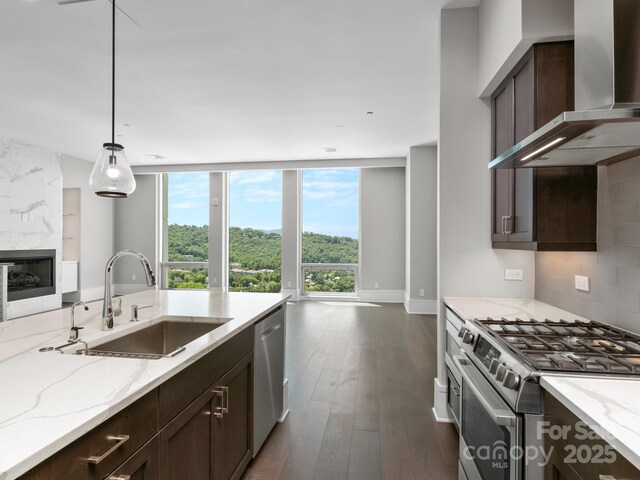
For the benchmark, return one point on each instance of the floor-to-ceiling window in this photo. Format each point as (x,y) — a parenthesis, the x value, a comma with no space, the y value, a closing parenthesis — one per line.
(255,224)
(186,231)
(330,224)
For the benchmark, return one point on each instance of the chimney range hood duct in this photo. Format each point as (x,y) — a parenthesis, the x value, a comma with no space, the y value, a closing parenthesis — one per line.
(607,65)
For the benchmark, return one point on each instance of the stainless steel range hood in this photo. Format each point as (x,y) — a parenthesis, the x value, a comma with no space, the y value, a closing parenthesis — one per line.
(607,69)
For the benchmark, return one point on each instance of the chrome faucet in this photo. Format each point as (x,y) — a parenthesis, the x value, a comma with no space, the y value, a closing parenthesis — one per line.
(107,304)
(74,333)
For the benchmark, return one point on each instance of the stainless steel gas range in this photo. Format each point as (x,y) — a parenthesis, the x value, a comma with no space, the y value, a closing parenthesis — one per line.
(501,398)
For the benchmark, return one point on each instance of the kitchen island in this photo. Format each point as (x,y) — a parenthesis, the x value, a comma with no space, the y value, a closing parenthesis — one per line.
(608,405)
(51,399)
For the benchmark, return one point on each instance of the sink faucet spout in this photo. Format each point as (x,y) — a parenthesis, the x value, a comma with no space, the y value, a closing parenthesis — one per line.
(107,304)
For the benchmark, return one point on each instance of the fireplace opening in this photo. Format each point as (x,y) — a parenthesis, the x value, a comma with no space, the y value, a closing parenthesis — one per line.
(33,273)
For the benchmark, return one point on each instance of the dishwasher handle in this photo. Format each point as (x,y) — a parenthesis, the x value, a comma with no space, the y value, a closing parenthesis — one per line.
(271,330)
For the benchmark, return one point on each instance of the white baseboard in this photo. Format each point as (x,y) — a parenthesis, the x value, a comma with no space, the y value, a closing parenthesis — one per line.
(440,410)
(381,296)
(295,296)
(413,305)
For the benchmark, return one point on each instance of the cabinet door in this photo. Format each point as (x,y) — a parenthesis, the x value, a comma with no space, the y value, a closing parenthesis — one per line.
(186,443)
(142,465)
(520,225)
(502,133)
(232,431)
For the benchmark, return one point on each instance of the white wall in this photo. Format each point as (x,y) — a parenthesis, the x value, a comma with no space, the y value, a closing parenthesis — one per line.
(382,234)
(467,265)
(135,229)
(421,229)
(509,27)
(96,228)
(218,230)
(291,232)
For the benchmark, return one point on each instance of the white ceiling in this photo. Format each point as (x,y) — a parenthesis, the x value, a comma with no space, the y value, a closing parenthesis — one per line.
(206,81)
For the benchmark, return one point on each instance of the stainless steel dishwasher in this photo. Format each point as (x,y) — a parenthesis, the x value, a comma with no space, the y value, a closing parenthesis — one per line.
(268,376)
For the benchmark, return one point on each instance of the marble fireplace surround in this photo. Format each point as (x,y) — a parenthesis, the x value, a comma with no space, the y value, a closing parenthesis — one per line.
(31,212)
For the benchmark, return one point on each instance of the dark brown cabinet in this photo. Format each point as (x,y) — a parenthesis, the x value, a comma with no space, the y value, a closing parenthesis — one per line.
(541,208)
(232,428)
(210,439)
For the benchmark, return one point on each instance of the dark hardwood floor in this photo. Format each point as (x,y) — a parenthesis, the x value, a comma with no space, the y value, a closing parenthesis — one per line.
(360,398)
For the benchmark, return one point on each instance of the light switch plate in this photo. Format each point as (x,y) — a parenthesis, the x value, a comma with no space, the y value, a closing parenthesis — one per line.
(582,283)
(513,274)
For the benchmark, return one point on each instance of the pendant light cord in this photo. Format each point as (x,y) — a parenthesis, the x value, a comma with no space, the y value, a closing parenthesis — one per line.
(113,71)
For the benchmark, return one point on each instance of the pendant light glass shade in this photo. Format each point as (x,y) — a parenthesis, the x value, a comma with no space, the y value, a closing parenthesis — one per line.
(111,175)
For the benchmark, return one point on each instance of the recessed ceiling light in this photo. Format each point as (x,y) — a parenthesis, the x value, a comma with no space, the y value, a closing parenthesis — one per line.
(339,126)
(154,156)
(329,149)
(126,124)
(369,113)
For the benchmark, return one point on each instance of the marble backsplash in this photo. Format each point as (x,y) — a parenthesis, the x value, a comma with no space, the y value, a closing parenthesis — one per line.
(31,211)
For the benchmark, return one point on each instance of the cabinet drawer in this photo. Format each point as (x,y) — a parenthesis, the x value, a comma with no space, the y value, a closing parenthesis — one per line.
(179,391)
(100,451)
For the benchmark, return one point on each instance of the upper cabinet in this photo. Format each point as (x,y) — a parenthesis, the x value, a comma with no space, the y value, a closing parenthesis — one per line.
(543,208)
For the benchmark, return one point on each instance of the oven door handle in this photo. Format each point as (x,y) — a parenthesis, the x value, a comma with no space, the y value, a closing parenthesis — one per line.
(500,416)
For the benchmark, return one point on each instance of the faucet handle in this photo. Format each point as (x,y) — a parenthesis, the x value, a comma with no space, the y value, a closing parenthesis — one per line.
(74,333)
(118,310)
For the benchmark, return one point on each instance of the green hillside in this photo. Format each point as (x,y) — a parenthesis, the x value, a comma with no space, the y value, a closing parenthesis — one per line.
(254,259)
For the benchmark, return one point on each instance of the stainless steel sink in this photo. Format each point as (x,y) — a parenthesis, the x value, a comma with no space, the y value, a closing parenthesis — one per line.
(159,340)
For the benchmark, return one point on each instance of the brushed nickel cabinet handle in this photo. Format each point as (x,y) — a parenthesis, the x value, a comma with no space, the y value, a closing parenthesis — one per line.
(607,477)
(507,230)
(218,411)
(119,477)
(225,404)
(120,440)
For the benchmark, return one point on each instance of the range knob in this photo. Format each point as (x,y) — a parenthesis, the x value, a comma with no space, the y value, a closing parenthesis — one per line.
(501,372)
(467,337)
(462,331)
(493,366)
(511,380)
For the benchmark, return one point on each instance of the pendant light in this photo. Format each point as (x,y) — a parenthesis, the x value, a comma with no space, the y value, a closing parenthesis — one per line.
(111,175)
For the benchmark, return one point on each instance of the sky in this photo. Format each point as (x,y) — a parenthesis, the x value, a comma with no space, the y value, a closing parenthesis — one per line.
(329,206)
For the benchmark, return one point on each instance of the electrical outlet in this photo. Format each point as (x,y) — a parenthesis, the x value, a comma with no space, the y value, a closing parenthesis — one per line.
(513,274)
(376,285)
(582,283)
(288,284)
(422,292)
(133,277)
(215,280)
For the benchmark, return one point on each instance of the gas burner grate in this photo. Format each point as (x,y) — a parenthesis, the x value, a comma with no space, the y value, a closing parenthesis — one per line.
(578,346)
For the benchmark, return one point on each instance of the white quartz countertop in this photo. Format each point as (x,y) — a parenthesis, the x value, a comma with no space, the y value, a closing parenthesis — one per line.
(50,399)
(469,308)
(610,406)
